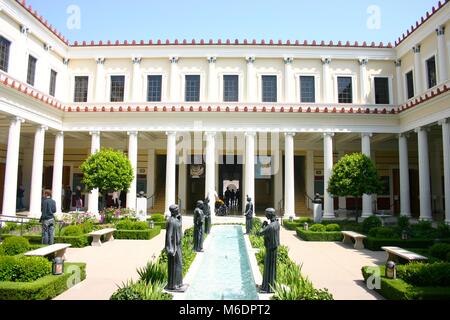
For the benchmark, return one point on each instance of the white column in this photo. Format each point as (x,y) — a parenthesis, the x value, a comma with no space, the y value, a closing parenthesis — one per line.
(133,157)
(93,195)
(137,80)
(328,169)
(442,56)
(363,87)
(310,174)
(399,78)
(36,175)
(289,183)
(436,176)
(210,174)
(405,202)
(446,151)
(367,209)
(249,180)
(342,200)
(58,167)
(171,170)
(326,87)
(151,172)
(212,80)
(278,179)
(424,175)
(251,88)
(182,185)
(288,90)
(12,168)
(174,80)
(100,95)
(27,169)
(418,75)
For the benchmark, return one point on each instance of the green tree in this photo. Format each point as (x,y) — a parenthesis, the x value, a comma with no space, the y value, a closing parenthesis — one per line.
(107,170)
(353,176)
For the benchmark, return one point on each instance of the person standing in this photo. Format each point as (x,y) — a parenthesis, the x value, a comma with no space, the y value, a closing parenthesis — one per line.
(123,199)
(67,199)
(48,209)
(79,201)
(20,196)
(227,197)
(233,198)
(199,220)
(115,198)
(248,216)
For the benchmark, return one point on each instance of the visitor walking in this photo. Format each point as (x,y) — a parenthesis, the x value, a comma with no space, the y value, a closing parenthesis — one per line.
(227,197)
(79,201)
(238,198)
(233,199)
(20,196)
(48,209)
(67,199)
(115,198)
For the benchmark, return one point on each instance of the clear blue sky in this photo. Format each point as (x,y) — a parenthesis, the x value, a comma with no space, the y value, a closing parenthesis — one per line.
(259,19)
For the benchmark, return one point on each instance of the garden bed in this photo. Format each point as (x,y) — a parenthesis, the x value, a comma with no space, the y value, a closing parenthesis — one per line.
(137,234)
(319,236)
(293,225)
(398,289)
(76,241)
(46,287)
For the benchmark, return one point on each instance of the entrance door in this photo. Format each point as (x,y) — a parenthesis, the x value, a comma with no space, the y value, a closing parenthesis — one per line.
(230,175)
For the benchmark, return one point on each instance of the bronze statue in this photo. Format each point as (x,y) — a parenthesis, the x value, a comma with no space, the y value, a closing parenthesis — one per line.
(271,233)
(199,220)
(207,213)
(174,235)
(248,215)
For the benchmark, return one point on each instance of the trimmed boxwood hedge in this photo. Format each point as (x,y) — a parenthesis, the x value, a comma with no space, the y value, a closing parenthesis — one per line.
(161,224)
(400,290)
(44,288)
(296,223)
(137,234)
(319,236)
(76,241)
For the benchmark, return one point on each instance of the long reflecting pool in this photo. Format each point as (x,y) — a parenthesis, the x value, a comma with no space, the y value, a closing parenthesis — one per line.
(224,272)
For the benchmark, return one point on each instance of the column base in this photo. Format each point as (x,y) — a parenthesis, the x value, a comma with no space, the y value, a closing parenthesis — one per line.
(329,216)
(408,215)
(366,214)
(425,219)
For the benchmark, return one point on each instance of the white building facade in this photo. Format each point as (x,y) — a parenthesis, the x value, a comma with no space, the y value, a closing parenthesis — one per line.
(272,117)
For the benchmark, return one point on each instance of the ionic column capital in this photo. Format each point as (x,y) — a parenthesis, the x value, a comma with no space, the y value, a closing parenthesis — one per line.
(42,127)
(288,60)
(136,60)
(398,63)
(212,59)
(440,30)
(419,129)
(289,134)
(24,30)
(100,60)
(326,61)
(328,134)
(443,121)
(250,59)
(210,134)
(132,133)
(47,47)
(416,49)
(59,134)
(171,133)
(174,59)
(94,133)
(363,61)
(15,119)
(366,134)
(66,61)
(250,134)
(403,135)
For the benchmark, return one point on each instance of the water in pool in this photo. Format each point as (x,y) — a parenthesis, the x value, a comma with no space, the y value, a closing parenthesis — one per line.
(224,272)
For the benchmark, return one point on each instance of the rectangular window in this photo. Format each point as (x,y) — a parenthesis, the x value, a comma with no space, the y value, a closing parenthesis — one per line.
(345,90)
(154,88)
(431,72)
(381,90)
(53,75)
(31,70)
(117,88)
(192,88)
(269,88)
(81,89)
(231,88)
(307,89)
(4,53)
(410,85)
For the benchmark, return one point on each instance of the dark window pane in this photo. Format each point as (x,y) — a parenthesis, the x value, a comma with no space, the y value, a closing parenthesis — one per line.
(31,70)
(410,84)
(53,75)
(81,89)
(231,88)
(154,86)
(117,88)
(307,89)
(345,90)
(431,72)
(381,90)
(269,88)
(192,88)
(4,53)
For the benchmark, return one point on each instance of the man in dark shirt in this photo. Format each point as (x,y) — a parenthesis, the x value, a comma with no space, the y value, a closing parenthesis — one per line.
(48,209)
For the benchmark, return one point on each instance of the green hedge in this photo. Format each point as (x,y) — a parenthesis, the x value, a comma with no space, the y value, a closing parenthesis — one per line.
(375,244)
(400,290)
(44,288)
(296,223)
(319,236)
(76,241)
(137,234)
(161,224)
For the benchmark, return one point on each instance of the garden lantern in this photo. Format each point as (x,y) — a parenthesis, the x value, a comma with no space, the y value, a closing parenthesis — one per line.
(391,270)
(151,224)
(58,266)
(404,235)
(291,219)
(306,226)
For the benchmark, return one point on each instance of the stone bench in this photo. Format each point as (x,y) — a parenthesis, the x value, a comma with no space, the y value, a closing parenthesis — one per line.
(359,239)
(59,250)
(96,235)
(394,253)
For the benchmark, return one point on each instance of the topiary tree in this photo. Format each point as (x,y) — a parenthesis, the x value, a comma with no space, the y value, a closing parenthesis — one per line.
(107,170)
(354,175)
